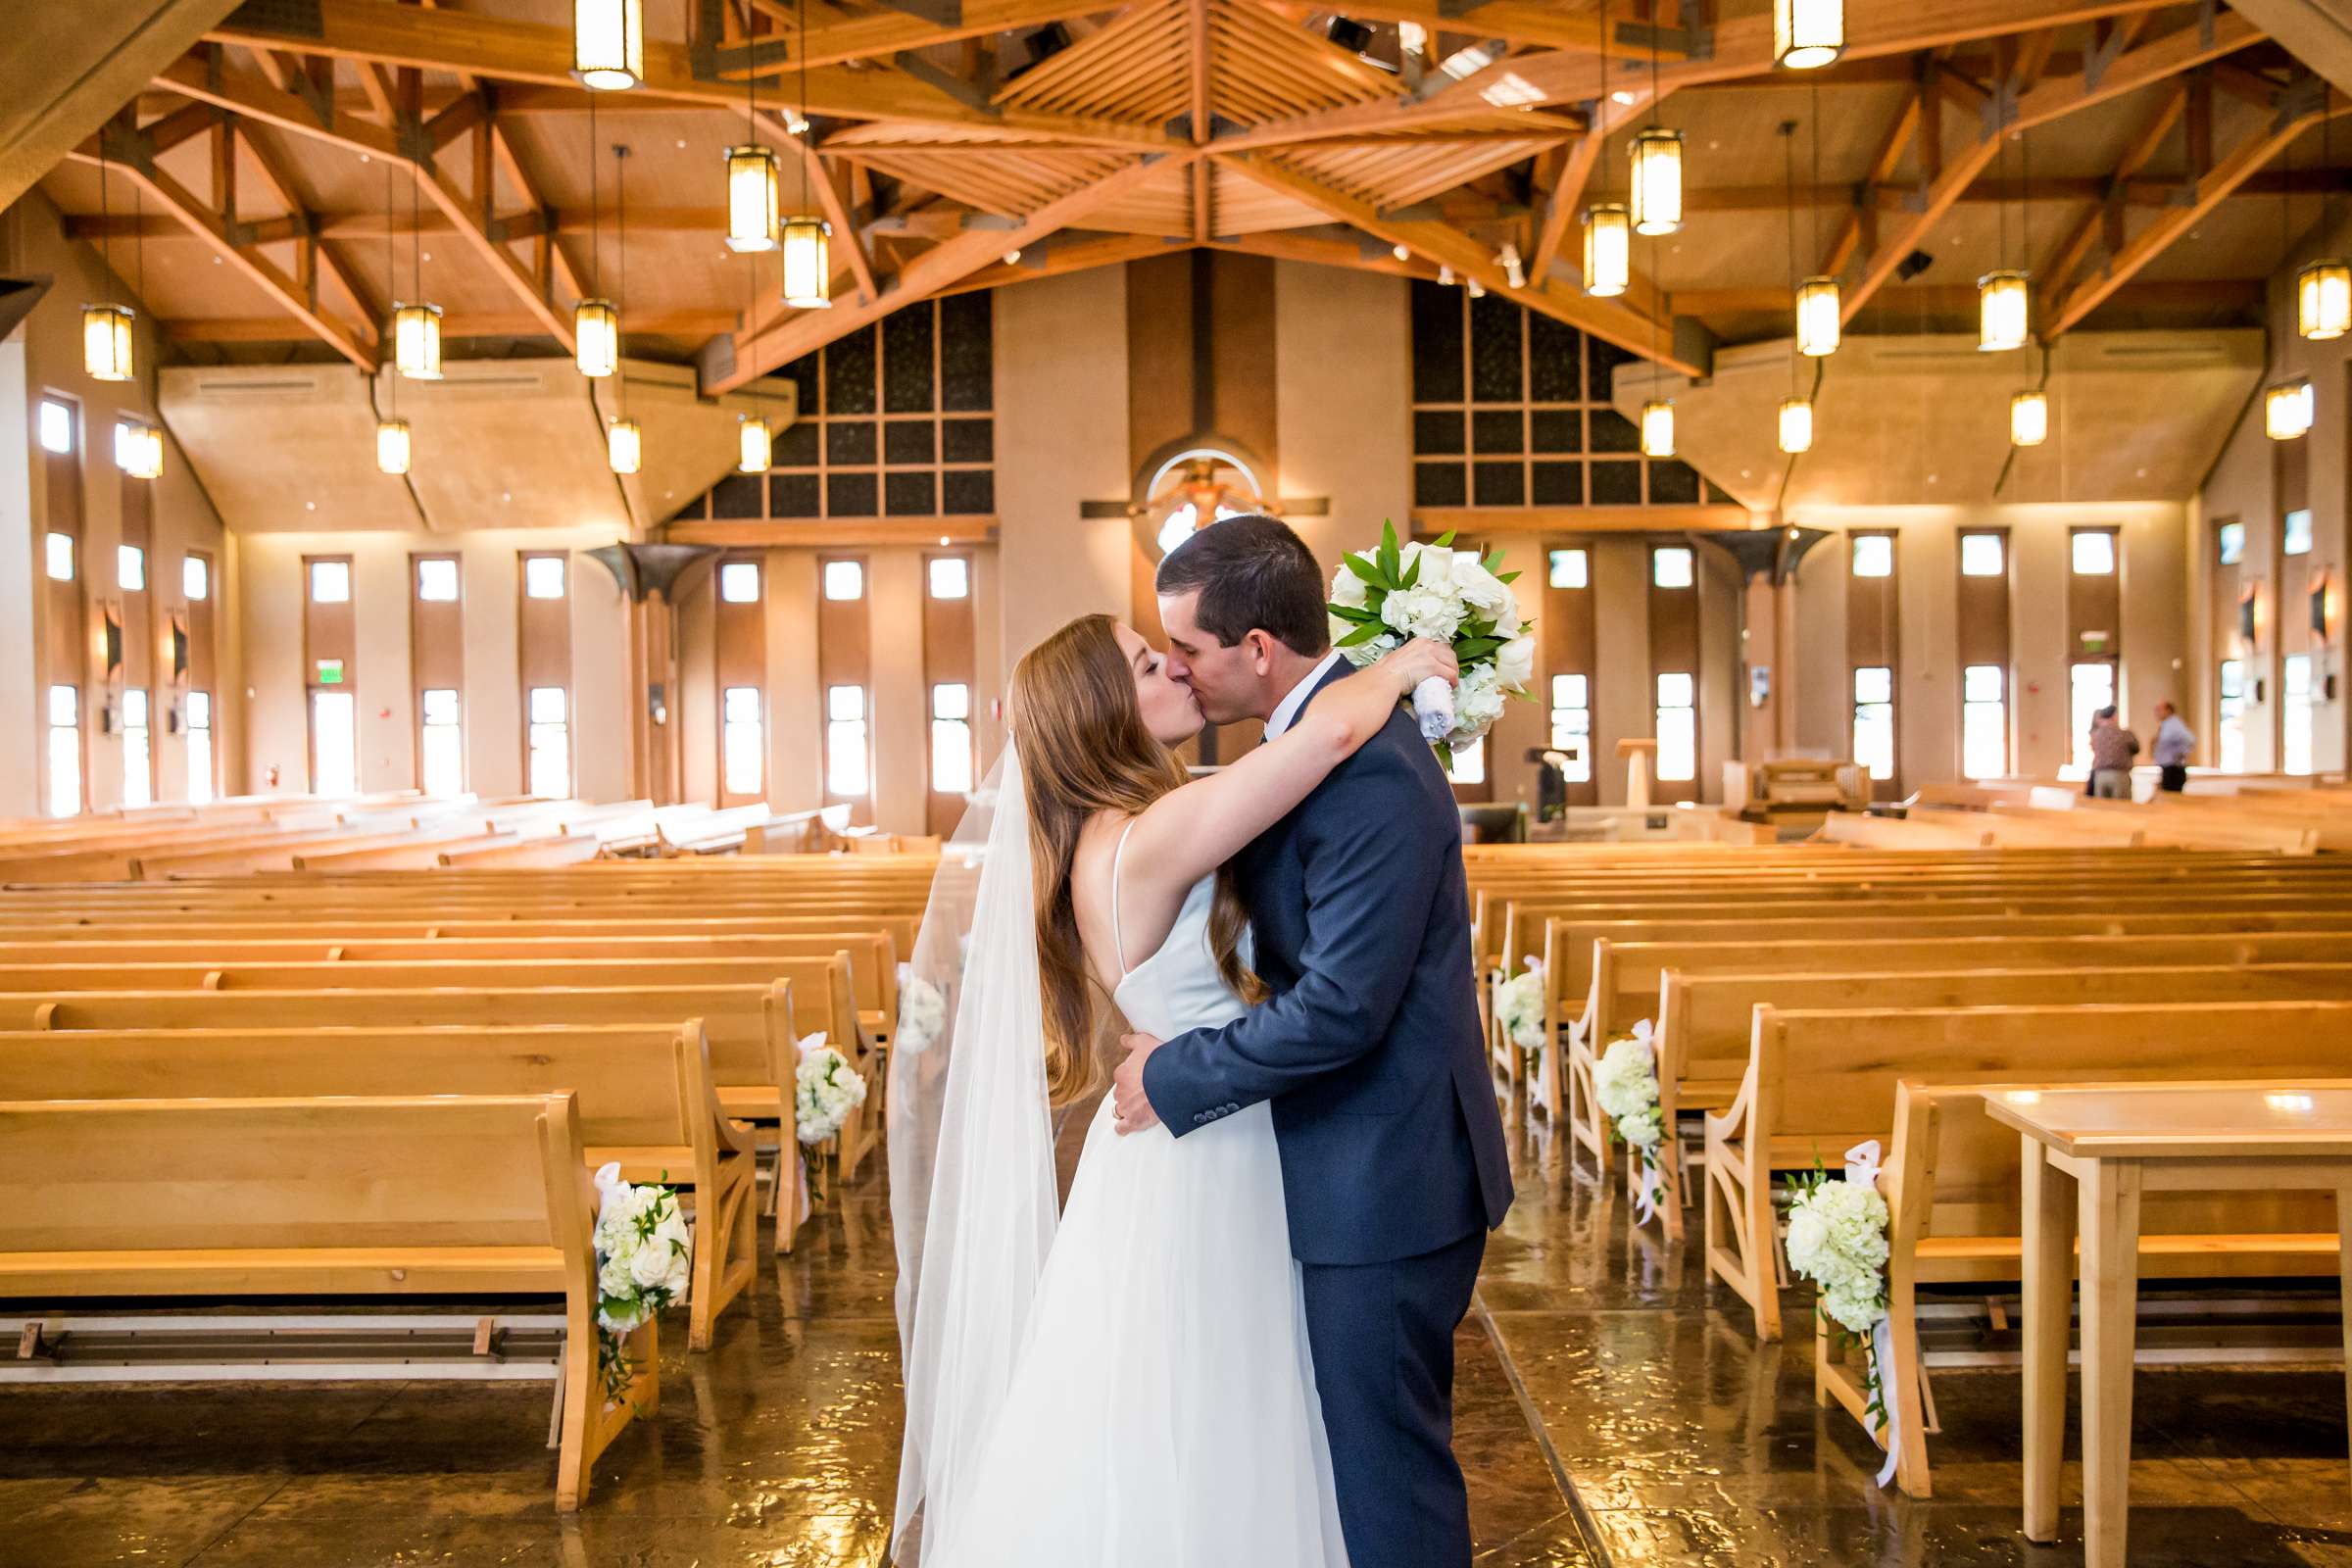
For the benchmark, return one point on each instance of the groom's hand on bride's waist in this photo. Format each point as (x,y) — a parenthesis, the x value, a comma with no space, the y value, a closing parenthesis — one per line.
(1131,1109)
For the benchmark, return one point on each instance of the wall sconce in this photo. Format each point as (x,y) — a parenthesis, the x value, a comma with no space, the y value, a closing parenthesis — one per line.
(2248,618)
(2318,608)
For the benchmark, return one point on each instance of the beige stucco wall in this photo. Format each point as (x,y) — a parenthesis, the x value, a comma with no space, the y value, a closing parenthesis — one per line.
(43,356)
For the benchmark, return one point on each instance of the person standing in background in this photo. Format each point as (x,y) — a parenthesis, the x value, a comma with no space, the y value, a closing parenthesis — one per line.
(2112,748)
(2175,740)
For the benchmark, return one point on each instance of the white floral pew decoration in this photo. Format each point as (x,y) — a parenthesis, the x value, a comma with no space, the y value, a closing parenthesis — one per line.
(644,1262)
(1837,1240)
(1625,1080)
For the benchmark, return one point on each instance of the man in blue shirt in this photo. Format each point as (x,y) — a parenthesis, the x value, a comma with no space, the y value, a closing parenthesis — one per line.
(2175,741)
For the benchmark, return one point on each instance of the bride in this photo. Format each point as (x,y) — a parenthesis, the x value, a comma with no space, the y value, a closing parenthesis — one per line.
(1137,1388)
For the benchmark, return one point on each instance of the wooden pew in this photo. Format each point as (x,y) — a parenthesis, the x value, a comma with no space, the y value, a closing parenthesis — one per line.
(749,1030)
(1952,1182)
(1706,1022)
(643,1094)
(492,1199)
(1818,1082)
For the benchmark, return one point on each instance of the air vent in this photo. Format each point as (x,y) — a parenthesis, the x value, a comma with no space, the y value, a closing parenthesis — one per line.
(262,390)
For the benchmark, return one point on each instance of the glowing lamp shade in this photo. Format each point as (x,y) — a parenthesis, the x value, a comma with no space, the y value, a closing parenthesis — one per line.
(139,451)
(2287,411)
(1807,33)
(1817,317)
(416,341)
(106,342)
(596,337)
(1608,249)
(756,447)
(807,263)
(608,43)
(392,446)
(1797,425)
(751,210)
(1657,203)
(625,446)
(2004,312)
(2324,300)
(1657,428)
(2029,418)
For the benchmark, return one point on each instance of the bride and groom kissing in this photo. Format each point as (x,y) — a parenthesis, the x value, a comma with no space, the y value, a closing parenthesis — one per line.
(1234,1344)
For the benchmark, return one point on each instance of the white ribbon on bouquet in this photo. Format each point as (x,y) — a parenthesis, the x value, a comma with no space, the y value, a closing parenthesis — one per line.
(1862,1168)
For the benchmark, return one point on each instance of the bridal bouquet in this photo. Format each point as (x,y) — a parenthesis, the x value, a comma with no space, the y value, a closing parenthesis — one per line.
(644,1259)
(922,1012)
(1383,596)
(1519,1009)
(1625,1083)
(826,1089)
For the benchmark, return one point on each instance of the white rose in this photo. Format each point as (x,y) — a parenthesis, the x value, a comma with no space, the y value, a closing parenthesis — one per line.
(1423,612)
(1515,664)
(1480,588)
(650,1265)
(1439,565)
(680,1274)
(1346,588)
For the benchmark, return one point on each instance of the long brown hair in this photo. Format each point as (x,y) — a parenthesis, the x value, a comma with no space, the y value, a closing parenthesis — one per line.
(1084,751)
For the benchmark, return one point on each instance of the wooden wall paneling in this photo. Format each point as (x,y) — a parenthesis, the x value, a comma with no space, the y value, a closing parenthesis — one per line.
(949,661)
(436,648)
(1673,649)
(2094,605)
(329,646)
(739,655)
(845,658)
(1873,639)
(1568,630)
(197,627)
(543,648)
(1982,637)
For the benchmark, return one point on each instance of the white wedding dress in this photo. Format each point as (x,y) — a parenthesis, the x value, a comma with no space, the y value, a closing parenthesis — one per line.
(1162,1411)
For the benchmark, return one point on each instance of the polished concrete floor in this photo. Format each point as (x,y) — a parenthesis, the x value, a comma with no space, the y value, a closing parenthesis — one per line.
(1611,1409)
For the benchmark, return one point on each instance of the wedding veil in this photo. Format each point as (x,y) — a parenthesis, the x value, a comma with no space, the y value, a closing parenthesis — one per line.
(971,1153)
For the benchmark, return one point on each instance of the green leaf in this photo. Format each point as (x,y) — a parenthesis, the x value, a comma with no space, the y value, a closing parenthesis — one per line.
(1493,561)
(1508,576)
(1443,540)
(1365,570)
(1466,649)
(1353,616)
(1361,636)
(1412,574)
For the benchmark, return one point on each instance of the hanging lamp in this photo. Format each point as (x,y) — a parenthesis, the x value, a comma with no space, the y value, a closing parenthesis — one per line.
(608,43)
(2324,287)
(2030,419)
(808,251)
(106,327)
(2287,411)
(1807,35)
(1795,430)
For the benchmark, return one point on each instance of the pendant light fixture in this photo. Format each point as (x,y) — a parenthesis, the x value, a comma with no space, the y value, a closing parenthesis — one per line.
(1807,35)
(2287,411)
(1658,413)
(807,252)
(755,445)
(2004,297)
(1608,224)
(106,327)
(2030,419)
(752,188)
(415,327)
(392,444)
(1657,167)
(2324,287)
(624,440)
(139,451)
(1820,317)
(608,43)
(595,320)
(1793,432)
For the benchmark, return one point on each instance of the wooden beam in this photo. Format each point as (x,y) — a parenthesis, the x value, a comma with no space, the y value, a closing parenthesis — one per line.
(258,101)
(836,35)
(693,326)
(828,197)
(2251,151)
(1568,192)
(438,188)
(1960,299)
(1441,244)
(1626,35)
(834,533)
(762,346)
(1328,248)
(1880,171)
(206,225)
(1062,254)
(2053,100)
(295,193)
(2074,247)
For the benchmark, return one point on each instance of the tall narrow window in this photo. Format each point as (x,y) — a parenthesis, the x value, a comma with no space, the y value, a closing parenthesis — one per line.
(65,751)
(2090,686)
(739,582)
(441,743)
(743,744)
(2093,551)
(1984,721)
(437,579)
(2229,721)
(951,738)
(138,751)
(950,577)
(2294,681)
(334,743)
(130,568)
(550,742)
(57,426)
(195,578)
(330,582)
(1572,725)
(1677,725)
(2295,534)
(2229,539)
(200,747)
(846,769)
(1983,555)
(1569,568)
(1873,555)
(59,556)
(845,580)
(543,576)
(1874,719)
(1671,567)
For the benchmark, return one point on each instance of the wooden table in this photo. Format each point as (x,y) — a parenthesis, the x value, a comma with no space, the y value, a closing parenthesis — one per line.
(2090,1150)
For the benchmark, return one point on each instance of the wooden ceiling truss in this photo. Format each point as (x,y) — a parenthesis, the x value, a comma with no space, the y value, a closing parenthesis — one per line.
(958,144)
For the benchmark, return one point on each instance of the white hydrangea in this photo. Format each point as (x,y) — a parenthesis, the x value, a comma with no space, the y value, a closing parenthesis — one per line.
(1346,588)
(1487,594)
(826,1090)
(1425,610)
(1837,1238)
(644,1255)
(1519,1009)
(922,1012)
(1625,1083)
(1476,704)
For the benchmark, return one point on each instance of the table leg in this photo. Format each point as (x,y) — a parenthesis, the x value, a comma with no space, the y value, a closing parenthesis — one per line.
(2343,1225)
(2109,1205)
(2047,1326)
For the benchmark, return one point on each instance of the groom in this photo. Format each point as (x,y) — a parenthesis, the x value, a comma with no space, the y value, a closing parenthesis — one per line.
(1392,1160)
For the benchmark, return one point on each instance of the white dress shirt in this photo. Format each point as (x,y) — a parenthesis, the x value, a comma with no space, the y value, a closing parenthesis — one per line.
(1286,712)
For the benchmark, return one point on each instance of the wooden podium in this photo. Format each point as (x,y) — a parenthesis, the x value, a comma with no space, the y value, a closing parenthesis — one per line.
(1638,755)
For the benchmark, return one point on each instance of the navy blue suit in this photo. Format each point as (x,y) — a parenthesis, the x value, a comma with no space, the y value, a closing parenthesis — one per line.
(1392,1159)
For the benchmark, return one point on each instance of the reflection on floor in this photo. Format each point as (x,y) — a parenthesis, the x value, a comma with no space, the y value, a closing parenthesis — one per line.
(1597,1358)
